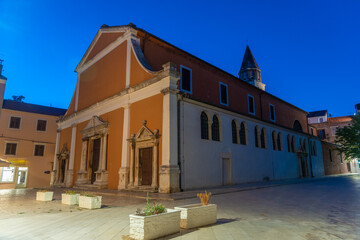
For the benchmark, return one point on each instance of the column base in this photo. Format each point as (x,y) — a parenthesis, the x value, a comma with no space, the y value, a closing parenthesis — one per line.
(123,178)
(101,179)
(52,177)
(169,179)
(69,178)
(81,177)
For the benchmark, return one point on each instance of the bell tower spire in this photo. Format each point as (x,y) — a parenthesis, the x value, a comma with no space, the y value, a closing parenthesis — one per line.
(250,71)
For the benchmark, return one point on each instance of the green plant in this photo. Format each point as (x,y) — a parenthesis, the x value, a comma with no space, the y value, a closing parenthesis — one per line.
(157,208)
(71,192)
(87,194)
(204,197)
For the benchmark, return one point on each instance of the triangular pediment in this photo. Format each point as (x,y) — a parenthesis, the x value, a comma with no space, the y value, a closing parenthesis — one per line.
(144,132)
(95,122)
(103,38)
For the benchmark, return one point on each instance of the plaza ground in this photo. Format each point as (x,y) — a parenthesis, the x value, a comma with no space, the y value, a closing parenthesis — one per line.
(327,208)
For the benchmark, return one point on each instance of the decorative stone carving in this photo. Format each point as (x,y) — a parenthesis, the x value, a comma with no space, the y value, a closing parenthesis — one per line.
(145,138)
(62,159)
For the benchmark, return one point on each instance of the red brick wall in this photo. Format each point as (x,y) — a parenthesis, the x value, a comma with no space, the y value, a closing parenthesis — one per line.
(205,85)
(335,166)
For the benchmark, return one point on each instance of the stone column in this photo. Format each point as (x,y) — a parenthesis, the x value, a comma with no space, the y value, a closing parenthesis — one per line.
(101,172)
(70,172)
(169,170)
(154,182)
(132,160)
(54,170)
(124,169)
(82,173)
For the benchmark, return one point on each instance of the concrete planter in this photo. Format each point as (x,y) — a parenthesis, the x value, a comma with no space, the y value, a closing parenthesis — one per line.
(90,202)
(70,199)
(196,215)
(44,196)
(154,226)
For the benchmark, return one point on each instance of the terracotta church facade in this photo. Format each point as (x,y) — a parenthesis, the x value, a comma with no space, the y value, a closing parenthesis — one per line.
(146,115)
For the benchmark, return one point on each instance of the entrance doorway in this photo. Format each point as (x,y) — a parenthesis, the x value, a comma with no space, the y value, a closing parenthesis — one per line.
(21,177)
(62,170)
(95,159)
(226,171)
(303,167)
(145,163)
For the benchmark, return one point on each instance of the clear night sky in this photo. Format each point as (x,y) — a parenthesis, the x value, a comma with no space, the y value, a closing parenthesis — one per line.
(308,51)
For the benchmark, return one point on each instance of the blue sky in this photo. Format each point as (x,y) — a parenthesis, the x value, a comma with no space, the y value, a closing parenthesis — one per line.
(308,51)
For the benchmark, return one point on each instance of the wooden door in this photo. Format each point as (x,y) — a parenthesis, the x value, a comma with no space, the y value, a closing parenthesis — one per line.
(145,162)
(62,170)
(95,159)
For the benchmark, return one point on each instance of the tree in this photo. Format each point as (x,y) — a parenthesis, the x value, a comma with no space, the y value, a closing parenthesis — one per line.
(348,139)
(18,98)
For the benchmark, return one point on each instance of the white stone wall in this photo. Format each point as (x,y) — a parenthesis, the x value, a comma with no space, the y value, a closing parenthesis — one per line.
(201,160)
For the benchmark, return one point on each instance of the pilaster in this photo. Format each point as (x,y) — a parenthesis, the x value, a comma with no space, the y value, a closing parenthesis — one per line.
(70,171)
(124,170)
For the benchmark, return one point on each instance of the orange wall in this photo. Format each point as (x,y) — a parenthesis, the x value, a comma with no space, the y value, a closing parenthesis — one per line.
(71,108)
(138,74)
(149,109)
(78,147)
(26,137)
(103,79)
(65,138)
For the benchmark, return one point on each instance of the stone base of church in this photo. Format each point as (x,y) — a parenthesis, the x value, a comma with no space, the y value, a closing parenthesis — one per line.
(69,178)
(169,179)
(101,179)
(123,178)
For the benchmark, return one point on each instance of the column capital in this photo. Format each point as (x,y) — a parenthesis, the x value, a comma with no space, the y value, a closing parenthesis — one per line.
(169,90)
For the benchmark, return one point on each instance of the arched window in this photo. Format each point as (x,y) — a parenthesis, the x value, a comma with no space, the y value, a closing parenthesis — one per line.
(263,138)
(297,126)
(257,136)
(215,129)
(234,131)
(304,145)
(204,126)
(243,133)
(279,142)
(288,143)
(293,144)
(274,140)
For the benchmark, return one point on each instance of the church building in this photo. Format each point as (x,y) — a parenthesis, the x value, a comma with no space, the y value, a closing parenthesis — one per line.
(148,116)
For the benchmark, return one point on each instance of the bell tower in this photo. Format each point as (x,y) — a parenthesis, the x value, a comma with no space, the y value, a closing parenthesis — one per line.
(250,71)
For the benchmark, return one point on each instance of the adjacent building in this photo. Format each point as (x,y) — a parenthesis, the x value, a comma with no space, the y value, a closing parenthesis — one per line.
(27,142)
(326,128)
(148,116)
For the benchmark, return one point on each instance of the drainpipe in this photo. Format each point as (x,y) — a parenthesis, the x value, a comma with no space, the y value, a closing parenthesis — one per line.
(178,129)
(311,169)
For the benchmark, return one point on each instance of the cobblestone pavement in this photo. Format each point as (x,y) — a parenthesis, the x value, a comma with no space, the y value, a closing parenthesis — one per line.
(325,209)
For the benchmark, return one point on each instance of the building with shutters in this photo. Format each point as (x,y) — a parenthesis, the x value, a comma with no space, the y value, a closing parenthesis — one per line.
(27,142)
(148,116)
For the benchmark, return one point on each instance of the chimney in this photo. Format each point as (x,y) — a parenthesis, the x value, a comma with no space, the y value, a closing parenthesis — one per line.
(2,85)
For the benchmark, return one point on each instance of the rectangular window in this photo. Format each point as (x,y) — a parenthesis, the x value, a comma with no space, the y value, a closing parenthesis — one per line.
(15,122)
(272,112)
(10,149)
(333,130)
(7,174)
(39,150)
(41,125)
(224,99)
(321,133)
(251,104)
(186,79)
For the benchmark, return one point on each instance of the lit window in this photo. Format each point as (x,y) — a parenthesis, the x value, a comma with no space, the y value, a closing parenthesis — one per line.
(224,99)
(14,122)
(251,104)
(7,174)
(41,125)
(186,79)
(39,150)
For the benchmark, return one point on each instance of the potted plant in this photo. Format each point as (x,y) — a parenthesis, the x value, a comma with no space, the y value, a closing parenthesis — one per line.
(154,221)
(196,215)
(89,200)
(44,195)
(70,197)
